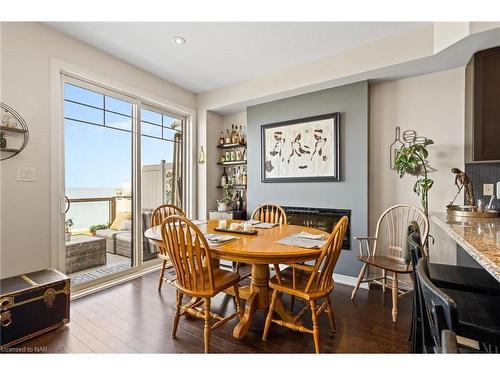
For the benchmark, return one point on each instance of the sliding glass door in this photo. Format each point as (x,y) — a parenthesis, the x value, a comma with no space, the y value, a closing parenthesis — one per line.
(161,165)
(115,146)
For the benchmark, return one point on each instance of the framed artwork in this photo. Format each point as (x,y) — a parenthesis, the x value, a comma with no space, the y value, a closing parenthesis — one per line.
(305,149)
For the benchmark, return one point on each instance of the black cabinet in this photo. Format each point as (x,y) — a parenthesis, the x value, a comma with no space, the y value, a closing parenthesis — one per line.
(482,106)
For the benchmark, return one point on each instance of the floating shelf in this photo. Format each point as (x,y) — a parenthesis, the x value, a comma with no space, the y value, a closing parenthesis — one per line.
(234,187)
(236,162)
(13,130)
(231,145)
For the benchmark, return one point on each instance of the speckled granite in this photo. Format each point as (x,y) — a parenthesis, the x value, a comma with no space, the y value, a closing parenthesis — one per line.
(479,237)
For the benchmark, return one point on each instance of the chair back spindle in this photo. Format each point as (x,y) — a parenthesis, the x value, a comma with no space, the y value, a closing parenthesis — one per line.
(392,228)
(164,211)
(190,254)
(270,213)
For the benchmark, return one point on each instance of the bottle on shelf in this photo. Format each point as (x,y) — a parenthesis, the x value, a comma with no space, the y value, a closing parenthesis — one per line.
(238,202)
(242,136)
(234,135)
(228,156)
(233,155)
(223,179)
(244,177)
(227,140)
(222,157)
(238,154)
(244,156)
(221,138)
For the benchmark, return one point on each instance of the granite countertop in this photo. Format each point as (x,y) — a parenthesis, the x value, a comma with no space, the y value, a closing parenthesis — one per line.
(478,237)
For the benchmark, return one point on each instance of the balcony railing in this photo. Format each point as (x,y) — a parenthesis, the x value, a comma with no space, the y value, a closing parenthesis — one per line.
(112,202)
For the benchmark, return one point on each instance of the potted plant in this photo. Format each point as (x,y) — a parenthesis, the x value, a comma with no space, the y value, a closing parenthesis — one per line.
(227,199)
(67,227)
(95,228)
(412,159)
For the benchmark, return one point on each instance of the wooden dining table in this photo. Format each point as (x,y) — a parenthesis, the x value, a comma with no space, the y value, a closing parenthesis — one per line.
(259,251)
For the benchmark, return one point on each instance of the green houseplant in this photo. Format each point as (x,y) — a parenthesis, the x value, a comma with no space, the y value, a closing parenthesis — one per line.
(412,159)
(95,228)
(227,198)
(67,228)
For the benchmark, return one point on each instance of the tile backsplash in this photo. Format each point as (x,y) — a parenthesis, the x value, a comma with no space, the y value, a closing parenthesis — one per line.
(484,173)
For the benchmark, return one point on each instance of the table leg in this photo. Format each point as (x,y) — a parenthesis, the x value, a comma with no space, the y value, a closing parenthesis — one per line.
(258,300)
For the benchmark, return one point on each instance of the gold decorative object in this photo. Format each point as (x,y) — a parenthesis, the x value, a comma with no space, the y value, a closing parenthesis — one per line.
(470,211)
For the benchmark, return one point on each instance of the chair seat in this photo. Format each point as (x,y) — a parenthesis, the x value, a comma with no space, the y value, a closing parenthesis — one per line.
(301,280)
(478,315)
(222,279)
(386,263)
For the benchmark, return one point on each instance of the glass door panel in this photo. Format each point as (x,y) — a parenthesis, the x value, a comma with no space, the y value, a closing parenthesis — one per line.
(98,181)
(161,166)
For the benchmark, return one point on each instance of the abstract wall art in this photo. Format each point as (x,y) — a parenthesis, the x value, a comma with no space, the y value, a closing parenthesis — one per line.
(305,149)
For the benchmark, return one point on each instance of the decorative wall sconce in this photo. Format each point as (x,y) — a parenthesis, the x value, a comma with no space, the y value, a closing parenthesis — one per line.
(201,156)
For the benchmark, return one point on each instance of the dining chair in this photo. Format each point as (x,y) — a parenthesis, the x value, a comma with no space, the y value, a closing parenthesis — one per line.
(270,213)
(309,283)
(198,276)
(385,250)
(157,217)
(266,213)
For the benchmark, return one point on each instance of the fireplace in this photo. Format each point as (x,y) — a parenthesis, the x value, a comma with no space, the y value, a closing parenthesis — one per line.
(319,218)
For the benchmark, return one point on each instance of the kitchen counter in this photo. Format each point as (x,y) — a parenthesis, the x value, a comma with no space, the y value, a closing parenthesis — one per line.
(480,238)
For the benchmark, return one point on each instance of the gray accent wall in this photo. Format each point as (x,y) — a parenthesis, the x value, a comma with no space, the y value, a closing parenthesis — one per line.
(351,192)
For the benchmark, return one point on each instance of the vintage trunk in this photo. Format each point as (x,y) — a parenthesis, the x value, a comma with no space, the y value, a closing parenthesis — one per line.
(33,304)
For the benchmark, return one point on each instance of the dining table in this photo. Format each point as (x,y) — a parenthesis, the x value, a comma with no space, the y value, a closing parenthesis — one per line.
(260,251)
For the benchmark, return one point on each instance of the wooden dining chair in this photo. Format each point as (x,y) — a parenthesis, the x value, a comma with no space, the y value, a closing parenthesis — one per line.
(160,214)
(270,213)
(266,213)
(309,283)
(198,276)
(384,251)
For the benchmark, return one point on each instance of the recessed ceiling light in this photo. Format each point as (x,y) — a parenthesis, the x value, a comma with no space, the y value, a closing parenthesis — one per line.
(179,40)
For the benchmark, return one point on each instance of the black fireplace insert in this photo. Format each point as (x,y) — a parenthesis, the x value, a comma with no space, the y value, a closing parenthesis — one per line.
(319,218)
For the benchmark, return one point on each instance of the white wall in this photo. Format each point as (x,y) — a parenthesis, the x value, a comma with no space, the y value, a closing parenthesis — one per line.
(26,53)
(433,105)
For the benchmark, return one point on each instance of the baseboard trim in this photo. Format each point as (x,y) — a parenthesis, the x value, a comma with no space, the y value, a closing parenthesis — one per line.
(348,280)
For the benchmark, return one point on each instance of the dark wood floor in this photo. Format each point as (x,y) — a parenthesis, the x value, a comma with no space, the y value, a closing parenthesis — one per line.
(134,317)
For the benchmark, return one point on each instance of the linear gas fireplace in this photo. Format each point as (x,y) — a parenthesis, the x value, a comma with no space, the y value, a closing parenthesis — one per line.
(319,218)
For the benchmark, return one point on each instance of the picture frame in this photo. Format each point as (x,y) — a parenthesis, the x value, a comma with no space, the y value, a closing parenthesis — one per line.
(301,150)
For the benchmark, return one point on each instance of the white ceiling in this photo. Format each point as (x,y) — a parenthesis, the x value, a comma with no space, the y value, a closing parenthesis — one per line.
(218,54)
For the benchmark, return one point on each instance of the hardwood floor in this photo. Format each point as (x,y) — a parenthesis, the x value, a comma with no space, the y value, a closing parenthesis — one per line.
(135,318)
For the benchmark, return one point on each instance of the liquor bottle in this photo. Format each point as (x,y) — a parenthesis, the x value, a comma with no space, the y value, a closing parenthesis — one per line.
(238,177)
(233,155)
(233,135)
(238,154)
(238,201)
(244,177)
(222,157)
(242,136)
(228,137)
(244,154)
(223,179)
(221,138)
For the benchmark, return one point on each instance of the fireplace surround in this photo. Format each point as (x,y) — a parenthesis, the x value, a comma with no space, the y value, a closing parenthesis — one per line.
(319,218)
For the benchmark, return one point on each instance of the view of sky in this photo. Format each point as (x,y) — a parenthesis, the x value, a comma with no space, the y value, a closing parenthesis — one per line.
(101,157)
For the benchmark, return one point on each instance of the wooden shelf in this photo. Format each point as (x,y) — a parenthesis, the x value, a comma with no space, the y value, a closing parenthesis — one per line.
(13,130)
(234,187)
(9,149)
(236,162)
(231,145)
